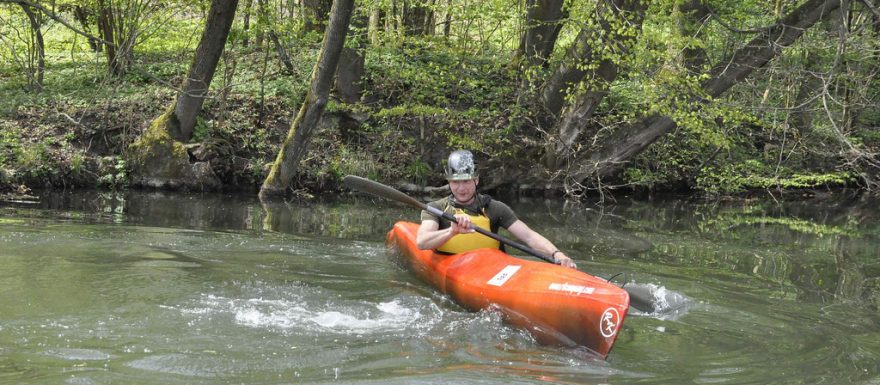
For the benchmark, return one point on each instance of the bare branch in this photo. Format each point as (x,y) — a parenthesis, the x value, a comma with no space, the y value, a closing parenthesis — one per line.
(56,17)
(873,7)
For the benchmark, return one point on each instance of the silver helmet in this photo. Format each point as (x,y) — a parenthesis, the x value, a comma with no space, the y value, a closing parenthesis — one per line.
(460,166)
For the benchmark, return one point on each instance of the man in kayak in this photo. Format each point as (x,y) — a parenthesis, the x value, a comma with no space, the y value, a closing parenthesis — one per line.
(473,209)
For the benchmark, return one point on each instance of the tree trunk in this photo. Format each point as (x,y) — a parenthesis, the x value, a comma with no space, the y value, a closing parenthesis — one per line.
(350,71)
(283,56)
(295,145)
(418,18)
(577,115)
(82,15)
(106,29)
(447,20)
(35,76)
(695,14)
(158,157)
(262,21)
(802,111)
(543,23)
(246,28)
(201,72)
(315,13)
(630,141)
(571,72)
(377,26)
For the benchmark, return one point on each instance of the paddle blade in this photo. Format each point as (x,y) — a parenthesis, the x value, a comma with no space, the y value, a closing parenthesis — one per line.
(641,298)
(381,190)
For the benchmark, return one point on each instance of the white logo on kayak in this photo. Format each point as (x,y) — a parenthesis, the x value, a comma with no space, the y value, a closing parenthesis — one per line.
(503,275)
(609,322)
(573,289)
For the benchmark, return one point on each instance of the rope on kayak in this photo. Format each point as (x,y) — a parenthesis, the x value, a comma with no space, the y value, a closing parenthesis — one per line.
(615,276)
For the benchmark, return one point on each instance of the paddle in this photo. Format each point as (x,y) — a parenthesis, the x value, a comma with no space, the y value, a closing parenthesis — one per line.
(639,299)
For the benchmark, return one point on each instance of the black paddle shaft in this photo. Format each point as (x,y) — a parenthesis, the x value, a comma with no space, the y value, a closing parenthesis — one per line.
(376,188)
(638,300)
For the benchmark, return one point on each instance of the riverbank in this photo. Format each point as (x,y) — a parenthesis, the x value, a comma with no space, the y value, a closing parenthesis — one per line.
(76,132)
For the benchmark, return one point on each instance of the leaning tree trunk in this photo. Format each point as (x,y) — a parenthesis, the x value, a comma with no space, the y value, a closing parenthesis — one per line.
(630,141)
(544,20)
(81,14)
(201,72)
(283,56)
(577,115)
(543,23)
(295,145)
(158,158)
(613,17)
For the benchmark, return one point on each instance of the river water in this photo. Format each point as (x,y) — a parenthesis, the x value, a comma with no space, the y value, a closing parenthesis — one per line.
(151,288)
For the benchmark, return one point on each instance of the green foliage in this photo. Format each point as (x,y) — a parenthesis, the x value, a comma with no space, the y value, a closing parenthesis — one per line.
(464,140)
(349,162)
(201,130)
(36,158)
(418,171)
(753,174)
(784,127)
(116,177)
(728,220)
(10,144)
(431,74)
(407,110)
(77,161)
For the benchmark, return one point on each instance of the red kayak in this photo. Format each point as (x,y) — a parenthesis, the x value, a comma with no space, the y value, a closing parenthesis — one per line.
(558,305)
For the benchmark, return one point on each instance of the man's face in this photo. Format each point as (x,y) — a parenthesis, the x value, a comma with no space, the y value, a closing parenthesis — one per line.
(464,190)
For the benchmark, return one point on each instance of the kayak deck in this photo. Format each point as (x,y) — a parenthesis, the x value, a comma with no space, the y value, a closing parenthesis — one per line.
(558,305)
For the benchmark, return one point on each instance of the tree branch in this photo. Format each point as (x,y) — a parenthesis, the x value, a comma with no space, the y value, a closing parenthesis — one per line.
(715,15)
(870,4)
(630,141)
(57,18)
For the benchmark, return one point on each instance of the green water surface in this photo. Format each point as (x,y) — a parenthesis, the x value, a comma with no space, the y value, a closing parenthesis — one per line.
(100,288)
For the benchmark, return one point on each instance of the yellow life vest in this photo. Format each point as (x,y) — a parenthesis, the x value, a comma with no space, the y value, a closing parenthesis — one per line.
(461,243)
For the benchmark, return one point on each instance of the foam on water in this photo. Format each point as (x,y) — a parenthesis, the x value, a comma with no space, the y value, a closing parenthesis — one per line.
(296,314)
(75,354)
(667,299)
(668,304)
(346,319)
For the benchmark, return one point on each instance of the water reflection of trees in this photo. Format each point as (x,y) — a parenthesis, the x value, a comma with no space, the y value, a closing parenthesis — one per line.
(817,251)
(351,218)
(821,251)
(825,251)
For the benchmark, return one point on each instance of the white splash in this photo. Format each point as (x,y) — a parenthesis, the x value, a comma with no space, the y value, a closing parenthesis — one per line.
(668,304)
(382,317)
(348,317)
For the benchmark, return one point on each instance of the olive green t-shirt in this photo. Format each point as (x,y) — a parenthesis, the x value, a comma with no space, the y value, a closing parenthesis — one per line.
(499,213)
